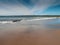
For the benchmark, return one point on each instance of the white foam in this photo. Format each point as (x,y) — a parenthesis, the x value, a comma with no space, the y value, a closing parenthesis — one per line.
(5,22)
(42,19)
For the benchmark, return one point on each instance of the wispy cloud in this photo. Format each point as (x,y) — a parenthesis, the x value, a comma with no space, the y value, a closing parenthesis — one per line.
(25,7)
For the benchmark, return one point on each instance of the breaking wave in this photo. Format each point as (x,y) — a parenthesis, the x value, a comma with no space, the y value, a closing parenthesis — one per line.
(42,19)
(11,22)
(6,22)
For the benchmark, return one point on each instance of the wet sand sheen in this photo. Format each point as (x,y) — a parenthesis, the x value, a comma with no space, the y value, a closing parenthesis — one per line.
(30,37)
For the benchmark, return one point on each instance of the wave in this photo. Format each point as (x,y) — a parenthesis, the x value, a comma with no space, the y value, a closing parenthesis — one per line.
(42,19)
(13,22)
(7,22)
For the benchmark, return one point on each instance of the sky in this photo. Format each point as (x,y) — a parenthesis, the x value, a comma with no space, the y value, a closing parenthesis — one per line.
(29,7)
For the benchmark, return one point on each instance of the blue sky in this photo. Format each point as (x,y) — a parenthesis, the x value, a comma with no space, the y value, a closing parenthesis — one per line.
(29,7)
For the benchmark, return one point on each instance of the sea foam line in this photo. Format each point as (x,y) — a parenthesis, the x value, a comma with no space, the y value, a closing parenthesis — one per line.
(42,19)
(5,22)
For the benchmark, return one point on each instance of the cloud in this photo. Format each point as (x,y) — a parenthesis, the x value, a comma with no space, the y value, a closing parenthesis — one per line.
(25,7)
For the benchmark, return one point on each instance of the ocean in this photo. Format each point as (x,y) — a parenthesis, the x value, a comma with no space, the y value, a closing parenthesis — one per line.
(31,20)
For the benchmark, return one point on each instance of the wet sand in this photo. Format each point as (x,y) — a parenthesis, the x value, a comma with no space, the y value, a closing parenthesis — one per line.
(16,34)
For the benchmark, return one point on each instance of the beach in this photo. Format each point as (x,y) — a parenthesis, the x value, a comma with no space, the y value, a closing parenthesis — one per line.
(30,33)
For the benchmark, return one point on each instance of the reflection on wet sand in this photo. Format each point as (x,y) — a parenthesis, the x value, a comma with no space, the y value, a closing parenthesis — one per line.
(36,33)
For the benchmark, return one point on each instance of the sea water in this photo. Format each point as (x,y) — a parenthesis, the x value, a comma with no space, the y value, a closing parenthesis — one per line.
(50,22)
